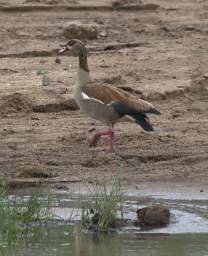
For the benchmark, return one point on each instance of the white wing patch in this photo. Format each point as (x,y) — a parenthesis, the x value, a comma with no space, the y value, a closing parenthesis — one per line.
(97,109)
(86,97)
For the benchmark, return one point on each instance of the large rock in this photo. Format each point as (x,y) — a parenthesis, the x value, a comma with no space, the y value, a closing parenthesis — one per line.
(80,31)
(153,216)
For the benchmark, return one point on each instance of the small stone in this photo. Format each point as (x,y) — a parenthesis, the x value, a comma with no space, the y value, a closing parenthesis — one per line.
(34,118)
(43,60)
(58,60)
(98,21)
(103,34)
(61,187)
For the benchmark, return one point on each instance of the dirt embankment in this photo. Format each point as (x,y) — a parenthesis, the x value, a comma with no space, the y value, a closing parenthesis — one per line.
(158,54)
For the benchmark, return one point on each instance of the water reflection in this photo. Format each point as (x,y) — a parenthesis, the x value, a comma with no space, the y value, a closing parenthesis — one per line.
(187,235)
(71,241)
(154,245)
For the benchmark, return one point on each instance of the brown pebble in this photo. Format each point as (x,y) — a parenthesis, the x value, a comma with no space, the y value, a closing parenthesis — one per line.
(57,60)
(43,60)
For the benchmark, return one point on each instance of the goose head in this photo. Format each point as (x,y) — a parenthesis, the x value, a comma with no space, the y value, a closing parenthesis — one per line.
(75,47)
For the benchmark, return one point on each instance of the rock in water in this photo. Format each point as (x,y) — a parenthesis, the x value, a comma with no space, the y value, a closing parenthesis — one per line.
(153,216)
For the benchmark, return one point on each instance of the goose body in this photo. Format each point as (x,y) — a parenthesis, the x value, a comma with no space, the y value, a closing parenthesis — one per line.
(103,102)
(92,106)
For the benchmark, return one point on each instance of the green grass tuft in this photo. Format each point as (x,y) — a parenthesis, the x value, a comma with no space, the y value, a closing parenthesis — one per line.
(17,216)
(103,208)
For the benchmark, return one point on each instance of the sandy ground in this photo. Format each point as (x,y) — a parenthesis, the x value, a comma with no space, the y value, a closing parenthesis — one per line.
(160,54)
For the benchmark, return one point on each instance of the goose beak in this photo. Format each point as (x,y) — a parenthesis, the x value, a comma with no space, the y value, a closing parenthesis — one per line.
(63,49)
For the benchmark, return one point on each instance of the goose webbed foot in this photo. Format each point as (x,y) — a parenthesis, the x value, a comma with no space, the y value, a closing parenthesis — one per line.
(93,139)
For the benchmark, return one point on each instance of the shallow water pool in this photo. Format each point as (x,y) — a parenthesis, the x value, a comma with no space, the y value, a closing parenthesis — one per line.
(68,241)
(187,234)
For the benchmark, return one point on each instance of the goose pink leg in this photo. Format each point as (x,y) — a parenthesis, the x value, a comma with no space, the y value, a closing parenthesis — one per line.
(96,138)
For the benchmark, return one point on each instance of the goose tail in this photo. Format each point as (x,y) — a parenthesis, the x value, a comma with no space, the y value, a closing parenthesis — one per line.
(153,110)
(140,118)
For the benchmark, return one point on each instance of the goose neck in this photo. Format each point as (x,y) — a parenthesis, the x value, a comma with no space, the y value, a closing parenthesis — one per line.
(83,77)
(83,64)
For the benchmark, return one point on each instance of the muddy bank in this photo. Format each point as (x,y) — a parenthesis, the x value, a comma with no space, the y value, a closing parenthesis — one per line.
(159,55)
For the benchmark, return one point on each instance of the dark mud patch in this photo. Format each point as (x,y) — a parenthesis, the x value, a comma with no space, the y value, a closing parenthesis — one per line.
(28,54)
(22,183)
(65,7)
(125,2)
(133,5)
(180,31)
(94,49)
(118,46)
(195,159)
(51,2)
(150,158)
(35,171)
(98,161)
(7,71)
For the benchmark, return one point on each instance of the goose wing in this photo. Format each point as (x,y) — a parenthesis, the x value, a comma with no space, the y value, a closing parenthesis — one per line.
(108,94)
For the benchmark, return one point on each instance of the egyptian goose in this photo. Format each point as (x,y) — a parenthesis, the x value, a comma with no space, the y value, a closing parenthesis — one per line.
(104,102)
